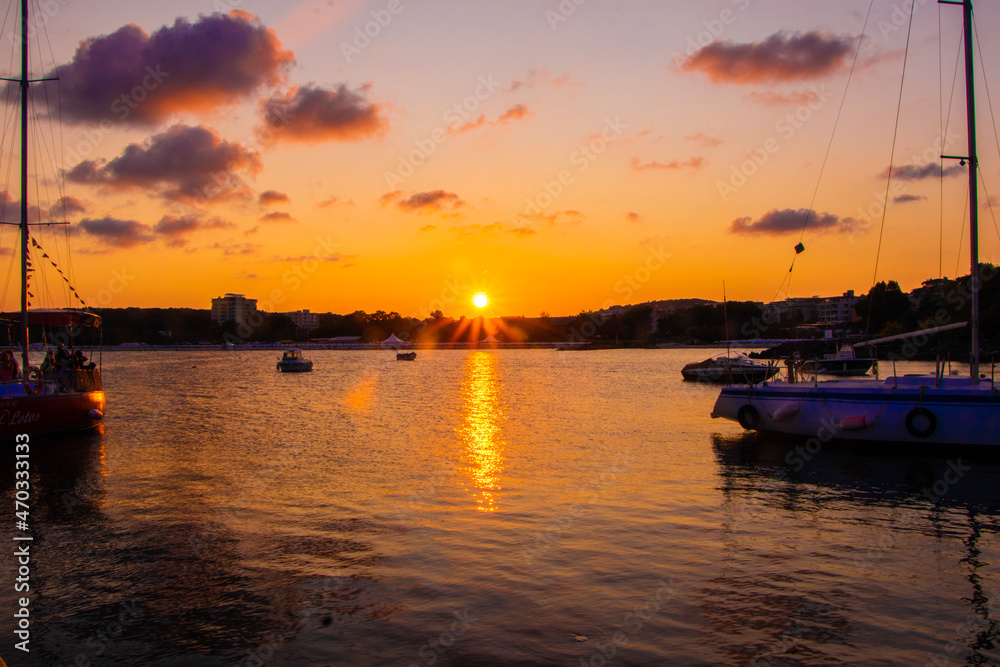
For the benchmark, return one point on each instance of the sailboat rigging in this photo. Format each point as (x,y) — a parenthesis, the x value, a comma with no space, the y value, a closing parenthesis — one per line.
(65,392)
(909,409)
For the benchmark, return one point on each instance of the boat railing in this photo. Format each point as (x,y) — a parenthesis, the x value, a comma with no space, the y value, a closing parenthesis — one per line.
(82,379)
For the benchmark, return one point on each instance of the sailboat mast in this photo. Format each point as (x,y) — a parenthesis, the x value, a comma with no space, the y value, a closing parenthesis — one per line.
(970,100)
(24,186)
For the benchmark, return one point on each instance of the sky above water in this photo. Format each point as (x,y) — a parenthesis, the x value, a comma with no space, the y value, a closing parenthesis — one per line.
(558,156)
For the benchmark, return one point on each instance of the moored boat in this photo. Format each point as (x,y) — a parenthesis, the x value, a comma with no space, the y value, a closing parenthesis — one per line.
(739,369)
(64,392)
(937,409)
(292,361)
(843,362)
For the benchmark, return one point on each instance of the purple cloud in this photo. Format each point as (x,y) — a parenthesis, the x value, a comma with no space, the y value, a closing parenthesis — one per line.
(185,164)
(136,78)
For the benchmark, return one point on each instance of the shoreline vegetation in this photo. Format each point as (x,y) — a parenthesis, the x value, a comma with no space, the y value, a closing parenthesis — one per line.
(885,311)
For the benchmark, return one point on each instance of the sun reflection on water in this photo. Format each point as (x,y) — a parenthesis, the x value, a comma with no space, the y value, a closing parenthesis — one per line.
(481,429)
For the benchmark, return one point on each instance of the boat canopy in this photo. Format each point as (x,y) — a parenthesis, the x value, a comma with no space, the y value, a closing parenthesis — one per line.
(55,317)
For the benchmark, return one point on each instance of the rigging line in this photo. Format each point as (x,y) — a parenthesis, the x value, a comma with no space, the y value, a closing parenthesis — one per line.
(986,86)
(989,202)
(944,145)
(892,155)
(836,122)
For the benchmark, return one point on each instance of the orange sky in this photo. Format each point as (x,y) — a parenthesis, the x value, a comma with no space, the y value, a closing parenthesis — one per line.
(558,156)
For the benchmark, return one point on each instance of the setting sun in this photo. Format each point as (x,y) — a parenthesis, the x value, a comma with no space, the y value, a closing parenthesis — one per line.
(480,300)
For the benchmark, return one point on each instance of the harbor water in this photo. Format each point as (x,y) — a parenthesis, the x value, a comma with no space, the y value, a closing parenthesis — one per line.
(486,507)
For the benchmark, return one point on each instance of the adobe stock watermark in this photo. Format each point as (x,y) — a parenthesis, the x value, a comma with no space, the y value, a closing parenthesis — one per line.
(786,127)
(432,650)
(457,114)
(899,18)
(591,492)
(933,493)
(562,12)
(714,28)
(631,282)
(292,278)
(581,158)
(122,107)
(41,13)
(866,215)
(632,623)
(364,35)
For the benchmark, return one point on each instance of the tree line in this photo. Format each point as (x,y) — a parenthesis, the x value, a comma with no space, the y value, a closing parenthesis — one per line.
(885,310)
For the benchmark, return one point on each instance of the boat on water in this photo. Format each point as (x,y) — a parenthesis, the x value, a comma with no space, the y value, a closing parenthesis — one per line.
(64,392)
(406,356)
(844,362)
(933,409)
(292,361)
(738,369)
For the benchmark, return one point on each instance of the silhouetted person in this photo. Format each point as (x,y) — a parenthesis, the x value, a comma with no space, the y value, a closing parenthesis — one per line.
(9,369)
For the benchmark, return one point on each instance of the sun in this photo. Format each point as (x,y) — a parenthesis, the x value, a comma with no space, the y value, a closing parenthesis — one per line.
(480,300)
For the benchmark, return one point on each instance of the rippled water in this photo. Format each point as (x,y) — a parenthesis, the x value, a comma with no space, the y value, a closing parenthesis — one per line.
(487,507)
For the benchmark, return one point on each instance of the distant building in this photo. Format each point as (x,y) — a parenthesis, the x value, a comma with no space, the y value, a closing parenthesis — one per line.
(828,310)
(304,320)
(838,309)
(233,308)
(806,308)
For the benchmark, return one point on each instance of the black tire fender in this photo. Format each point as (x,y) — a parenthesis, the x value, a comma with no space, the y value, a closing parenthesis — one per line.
(748,417)
(920,412)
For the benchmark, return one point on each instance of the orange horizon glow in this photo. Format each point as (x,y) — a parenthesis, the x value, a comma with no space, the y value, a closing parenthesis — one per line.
(560,181)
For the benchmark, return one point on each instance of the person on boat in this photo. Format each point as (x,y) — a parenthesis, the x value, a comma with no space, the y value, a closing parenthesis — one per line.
(48,367)
(62,357)
(9,369)
(80,362)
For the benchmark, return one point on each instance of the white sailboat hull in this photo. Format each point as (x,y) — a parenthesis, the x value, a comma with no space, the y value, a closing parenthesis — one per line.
(910,409)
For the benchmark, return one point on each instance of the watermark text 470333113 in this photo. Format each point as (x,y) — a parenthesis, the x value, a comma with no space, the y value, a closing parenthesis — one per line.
(22,550)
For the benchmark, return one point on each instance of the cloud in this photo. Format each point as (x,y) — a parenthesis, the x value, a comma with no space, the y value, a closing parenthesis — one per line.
(136,78)
(311,113)
(781,57)
(184,164)
(269,197)
(903,199)
(277,216)
(632,216)
(237,248)
(918,172)
(523,231)
(335,200)
(692,163)
(485,230)
(346,261)
(516,112)
(426,228)
(786,221)
(424,202)
(537,77)
(175,228)
(69,206)
(58,212)
(703,139)
(116,232)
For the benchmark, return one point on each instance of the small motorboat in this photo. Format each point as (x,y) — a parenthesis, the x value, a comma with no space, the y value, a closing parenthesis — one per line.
(292,361)
(406,356)
(740,369)
(845,363)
